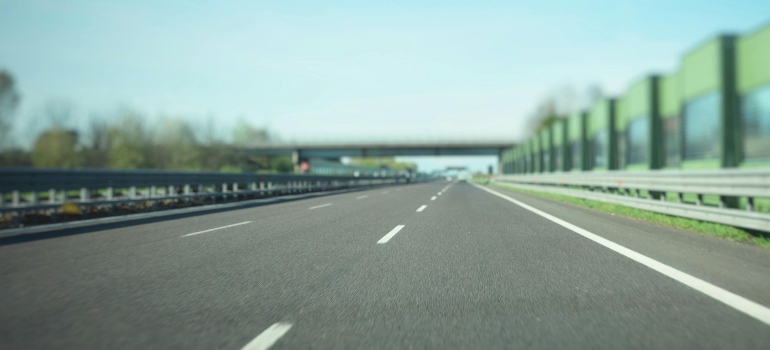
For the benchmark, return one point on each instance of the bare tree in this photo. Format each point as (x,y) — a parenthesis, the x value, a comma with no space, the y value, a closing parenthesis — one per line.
(561,103)
(545,114)
(591,95)
(9,100)
(58,112)
(97,147)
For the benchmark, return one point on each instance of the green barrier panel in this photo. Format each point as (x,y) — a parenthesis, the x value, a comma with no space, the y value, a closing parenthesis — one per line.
(534,151)
(709,120)
(670,97)
(545,150)
(559,145)
(527,155)
(637,126)
(753,85)
(576,139)
(600,124)
(513,160)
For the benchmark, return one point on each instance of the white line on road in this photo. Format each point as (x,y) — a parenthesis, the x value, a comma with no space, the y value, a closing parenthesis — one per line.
(384,192)
(421,208)
(214,229)
(735,301)
(267,338)
(439,193)
(433,198)
(320,206)
(390,235)
(361,197)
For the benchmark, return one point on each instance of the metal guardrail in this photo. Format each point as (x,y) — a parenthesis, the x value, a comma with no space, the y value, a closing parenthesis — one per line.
(625,188)
(107,188)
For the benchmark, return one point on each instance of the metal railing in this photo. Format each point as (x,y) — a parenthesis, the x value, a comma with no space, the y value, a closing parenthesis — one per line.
(47,191)
(666,192)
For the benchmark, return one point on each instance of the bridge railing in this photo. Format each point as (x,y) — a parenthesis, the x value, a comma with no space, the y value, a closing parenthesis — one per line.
(726,196)
(51,191)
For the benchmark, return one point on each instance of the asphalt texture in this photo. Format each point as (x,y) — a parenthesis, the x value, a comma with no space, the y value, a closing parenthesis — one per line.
(470,271)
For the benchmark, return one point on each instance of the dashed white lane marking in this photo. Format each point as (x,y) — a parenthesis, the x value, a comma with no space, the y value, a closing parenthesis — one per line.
(214,229)
(362,197)
(433,198)
(390,234)
(267,338)
(320,206)
(735,301)
(439,193)
(384,192)
(421,208)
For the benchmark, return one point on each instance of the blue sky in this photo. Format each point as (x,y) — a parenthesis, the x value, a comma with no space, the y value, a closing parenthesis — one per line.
(325,70)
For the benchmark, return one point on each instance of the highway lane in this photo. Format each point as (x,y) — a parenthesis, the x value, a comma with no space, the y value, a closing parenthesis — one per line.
(468,271)
(147,275)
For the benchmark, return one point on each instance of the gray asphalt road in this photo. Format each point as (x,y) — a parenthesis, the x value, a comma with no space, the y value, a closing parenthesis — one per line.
(471,270)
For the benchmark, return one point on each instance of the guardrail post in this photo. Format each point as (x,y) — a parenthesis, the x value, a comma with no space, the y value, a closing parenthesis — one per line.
(171,193)
(84,211)
(187,190)
(261,188)
(110,195)
(51,196)
(34,198)
(16,219)
(699,199)
(270,188)
(15,199)
(235,191)
(750,204)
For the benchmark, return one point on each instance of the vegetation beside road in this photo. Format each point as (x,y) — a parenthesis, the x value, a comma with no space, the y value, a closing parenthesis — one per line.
(706,228)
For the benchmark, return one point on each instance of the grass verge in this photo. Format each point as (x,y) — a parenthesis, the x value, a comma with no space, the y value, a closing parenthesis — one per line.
(706,228)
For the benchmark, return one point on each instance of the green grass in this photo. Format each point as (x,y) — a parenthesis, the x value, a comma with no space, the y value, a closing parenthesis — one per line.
(705,228)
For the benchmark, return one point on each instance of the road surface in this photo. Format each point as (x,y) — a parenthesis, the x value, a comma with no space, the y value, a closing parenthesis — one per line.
(435,265)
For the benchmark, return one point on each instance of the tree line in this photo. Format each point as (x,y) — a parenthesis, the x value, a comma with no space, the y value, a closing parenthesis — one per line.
(124,139)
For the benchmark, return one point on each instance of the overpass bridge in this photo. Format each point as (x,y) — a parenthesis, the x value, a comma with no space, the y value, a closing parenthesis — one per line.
(382,149)
(334,150)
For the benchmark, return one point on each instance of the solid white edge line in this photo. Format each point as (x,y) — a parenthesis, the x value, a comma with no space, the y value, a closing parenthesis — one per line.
(214,229)
(735,301)
(390,234)
(268,337)
(362,197)
(320,206)
(421,208)
(433,198)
